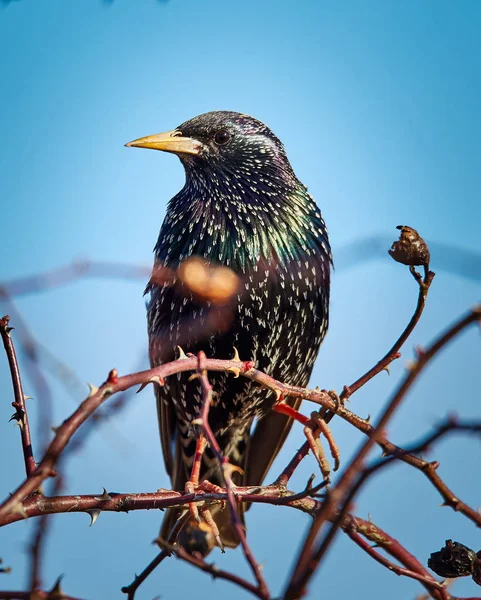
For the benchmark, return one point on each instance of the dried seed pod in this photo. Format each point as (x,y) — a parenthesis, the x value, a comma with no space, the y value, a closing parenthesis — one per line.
(411,249)
(454,560)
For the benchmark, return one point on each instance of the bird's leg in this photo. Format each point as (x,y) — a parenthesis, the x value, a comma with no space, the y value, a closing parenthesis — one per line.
(313,427)
(193,482)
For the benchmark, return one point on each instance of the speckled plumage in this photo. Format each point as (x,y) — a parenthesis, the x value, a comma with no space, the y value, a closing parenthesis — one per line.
(242,206)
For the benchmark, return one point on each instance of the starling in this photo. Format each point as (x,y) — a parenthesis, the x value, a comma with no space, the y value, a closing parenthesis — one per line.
(241,207)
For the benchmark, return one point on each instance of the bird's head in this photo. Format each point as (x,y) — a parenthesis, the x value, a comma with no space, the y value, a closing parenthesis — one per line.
(224,141)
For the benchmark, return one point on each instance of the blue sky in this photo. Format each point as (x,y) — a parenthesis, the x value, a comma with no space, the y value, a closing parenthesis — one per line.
(377,103)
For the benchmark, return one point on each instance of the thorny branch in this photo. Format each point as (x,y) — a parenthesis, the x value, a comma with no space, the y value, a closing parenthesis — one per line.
(19,404)
(329,513)
(18,507)
(393,354)
(226,469)
(340,496)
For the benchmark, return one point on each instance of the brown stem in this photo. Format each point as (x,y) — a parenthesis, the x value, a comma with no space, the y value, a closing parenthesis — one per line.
(139,579)
(356,528)
(231,500)
(39,538)
(393,353)
(19,404)
(313,551)
(246,369)
(213,570)
(39,595)
(37,506)
(68,273)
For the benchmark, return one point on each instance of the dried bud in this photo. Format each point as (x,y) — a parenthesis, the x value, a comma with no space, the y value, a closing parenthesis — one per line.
(209,283)
(411,249)
(196,538)
(454,560)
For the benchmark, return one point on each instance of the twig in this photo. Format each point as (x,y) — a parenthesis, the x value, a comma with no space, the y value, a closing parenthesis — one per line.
(39,595)
(216,573)
(72,272)
(38,542)
(37,506)
(312,553)
(356,528)
(19,403)
(139,579)
(223,464)
(246,369)
(393,353)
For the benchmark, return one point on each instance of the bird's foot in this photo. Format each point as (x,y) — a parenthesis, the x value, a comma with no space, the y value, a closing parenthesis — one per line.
(313,429)
(211,488)
(339,402)
(207,516)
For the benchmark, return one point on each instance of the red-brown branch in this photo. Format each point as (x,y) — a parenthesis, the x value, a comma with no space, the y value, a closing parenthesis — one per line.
(356,528)
(213,570)
(21,415)
(139,579)
(37,506)
(224,467)
(393,353)
(336,502)
(323,398)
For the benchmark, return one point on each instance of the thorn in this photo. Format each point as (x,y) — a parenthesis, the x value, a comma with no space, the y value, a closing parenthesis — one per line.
(55,429)
(27,398)
(194,376)
(198,421)
(154,379)
(368,418)
(56,591)
(92,390)
(279,395)
(235,371)
(386,368)
(94,515)
(236,357)
(104,497)
(182,355)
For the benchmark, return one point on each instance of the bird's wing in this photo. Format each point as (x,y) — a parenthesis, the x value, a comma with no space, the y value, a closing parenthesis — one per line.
(165,412)
(268,437)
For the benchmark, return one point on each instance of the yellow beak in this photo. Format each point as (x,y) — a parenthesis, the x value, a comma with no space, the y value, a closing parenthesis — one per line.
(170,141)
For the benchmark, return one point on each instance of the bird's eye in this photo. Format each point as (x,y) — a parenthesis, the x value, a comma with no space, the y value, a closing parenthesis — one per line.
(222,137)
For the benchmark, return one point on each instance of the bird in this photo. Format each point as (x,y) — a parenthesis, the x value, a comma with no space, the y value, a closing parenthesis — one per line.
(241,209)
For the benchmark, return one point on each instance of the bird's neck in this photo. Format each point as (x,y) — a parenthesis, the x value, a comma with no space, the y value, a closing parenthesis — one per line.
(239,221)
